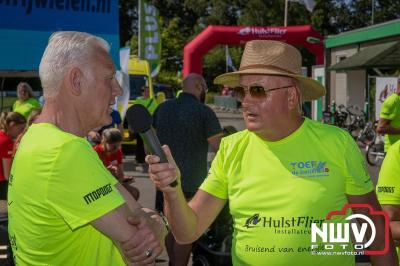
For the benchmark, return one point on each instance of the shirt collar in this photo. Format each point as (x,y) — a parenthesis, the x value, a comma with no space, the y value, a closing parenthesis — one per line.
(185,95)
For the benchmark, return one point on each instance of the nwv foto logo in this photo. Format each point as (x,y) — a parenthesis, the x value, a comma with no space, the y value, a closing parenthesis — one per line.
(337,235)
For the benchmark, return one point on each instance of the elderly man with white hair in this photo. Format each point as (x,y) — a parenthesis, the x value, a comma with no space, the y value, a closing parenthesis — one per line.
(284,176)
(65,208)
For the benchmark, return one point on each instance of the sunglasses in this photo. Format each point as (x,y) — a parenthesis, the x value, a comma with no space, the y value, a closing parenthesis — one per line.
(256,91)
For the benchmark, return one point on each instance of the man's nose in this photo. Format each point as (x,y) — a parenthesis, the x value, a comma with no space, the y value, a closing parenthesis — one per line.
(247,99)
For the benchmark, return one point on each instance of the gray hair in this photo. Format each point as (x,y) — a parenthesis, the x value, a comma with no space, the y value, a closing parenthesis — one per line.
(65,49)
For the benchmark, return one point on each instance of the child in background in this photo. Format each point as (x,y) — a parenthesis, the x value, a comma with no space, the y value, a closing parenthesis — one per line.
(31,118)
(110,153)
(11,125)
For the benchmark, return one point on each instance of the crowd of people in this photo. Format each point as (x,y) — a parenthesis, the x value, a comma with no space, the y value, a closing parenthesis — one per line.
(70,202)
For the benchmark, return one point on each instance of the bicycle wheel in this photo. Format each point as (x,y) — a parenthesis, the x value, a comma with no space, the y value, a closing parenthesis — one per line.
(375,154)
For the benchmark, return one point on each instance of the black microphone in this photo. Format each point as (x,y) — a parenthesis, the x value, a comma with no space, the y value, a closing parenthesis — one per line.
(140,121)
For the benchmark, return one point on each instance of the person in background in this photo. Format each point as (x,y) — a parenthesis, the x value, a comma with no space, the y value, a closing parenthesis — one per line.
(151,104)
(388,190)
(94,136)
(26,101)
(389,121)
(110,153)
(188,127)
(32,117)
(11,126)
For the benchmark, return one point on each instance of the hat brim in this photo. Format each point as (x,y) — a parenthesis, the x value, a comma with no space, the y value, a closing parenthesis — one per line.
(310,89)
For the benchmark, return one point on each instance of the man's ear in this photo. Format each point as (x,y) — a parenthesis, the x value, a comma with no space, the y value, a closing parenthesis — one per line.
(293,98)
(75,79)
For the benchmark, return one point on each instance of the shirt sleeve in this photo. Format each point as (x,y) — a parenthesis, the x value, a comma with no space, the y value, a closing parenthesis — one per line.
(388,187)
(216,182)
(358,181)
(7,149)
(388,109)
(80,188)
(212,126)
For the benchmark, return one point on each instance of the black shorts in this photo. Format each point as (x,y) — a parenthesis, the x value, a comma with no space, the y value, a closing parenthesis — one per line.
(3,190)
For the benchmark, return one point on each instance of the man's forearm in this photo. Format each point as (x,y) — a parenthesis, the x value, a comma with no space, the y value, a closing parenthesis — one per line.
(388,130)
(395,228)
(390,258)
(182,219)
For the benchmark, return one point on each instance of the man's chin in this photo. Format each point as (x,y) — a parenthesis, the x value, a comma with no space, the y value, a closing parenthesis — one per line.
(252,126)
(103,123)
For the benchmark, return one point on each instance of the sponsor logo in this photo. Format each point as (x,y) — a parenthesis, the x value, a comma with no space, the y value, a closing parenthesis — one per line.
(244,31)
(299,225)
(97,194)
(10,180)
(281,222)
(267,31)
(336,236)
(310,168)
(386,189)
(252,221)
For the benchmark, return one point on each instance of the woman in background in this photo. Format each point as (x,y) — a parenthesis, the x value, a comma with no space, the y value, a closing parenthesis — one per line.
(11,125)
(26,101)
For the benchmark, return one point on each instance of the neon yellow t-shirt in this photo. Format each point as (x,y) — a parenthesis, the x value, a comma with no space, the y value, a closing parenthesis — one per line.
(388,186)
(149,103)
(390,110)
(277,189)
(26,107)
(57,186)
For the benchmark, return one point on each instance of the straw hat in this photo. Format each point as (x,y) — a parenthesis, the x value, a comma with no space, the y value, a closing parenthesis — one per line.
(273,58)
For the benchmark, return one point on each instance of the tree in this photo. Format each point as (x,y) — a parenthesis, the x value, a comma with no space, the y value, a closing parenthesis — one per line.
(183,20)
(128,20)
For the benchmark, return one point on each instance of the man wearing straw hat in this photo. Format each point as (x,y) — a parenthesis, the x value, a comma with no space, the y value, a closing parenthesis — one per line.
(282,175)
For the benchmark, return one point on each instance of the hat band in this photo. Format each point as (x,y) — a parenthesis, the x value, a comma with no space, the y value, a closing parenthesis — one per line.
(266,66)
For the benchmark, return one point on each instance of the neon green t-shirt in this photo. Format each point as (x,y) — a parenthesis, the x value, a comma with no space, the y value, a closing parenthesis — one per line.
(388,186)
(149,103)
(57,186)
(390,110)
(26,107)
(277,189)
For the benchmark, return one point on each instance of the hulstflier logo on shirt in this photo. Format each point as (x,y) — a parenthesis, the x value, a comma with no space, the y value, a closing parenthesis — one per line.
(283,225)
(335,238)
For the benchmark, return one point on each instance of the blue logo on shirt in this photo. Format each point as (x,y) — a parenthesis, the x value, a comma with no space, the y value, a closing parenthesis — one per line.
(310,168)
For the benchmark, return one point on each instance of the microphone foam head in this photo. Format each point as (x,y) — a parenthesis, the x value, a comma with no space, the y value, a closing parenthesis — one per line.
(139,119)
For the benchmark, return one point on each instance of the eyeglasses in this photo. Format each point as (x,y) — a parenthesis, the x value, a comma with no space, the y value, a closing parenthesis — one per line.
(255,91)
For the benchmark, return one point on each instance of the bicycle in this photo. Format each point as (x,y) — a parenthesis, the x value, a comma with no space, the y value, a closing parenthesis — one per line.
(375,152)
(356,121)
(367,135)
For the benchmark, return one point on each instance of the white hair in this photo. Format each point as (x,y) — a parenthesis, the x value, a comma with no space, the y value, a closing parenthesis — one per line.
(65,49)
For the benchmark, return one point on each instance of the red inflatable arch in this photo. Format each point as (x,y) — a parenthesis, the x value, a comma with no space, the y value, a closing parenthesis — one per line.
(194,51)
